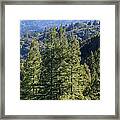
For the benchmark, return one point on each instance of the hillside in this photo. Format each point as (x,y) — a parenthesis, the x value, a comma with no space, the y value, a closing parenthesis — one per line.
(85,31)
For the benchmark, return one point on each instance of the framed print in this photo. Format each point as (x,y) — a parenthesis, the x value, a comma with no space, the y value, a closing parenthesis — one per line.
(60,59)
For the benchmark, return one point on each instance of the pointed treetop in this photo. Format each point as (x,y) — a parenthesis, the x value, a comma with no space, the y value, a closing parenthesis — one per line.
(53,32)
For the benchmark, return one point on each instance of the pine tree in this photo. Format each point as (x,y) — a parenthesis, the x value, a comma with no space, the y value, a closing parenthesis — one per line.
(64,58)
(74,91)
(32,69)
(85,80)
(49,73)
(95,75)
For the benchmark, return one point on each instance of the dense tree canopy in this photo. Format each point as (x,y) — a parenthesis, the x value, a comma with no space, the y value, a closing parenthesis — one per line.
(57,70)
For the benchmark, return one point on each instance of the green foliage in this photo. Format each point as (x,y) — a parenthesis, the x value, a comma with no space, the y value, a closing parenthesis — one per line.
(73,70)
(94,87)
(51,62)
(55,72)
(31,69)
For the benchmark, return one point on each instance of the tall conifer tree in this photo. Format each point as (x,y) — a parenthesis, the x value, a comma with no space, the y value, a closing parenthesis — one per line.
(95,75)
(74,91)
(50,64)
(32,72)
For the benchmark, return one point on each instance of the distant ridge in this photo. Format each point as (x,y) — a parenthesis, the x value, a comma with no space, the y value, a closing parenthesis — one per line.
(40,25)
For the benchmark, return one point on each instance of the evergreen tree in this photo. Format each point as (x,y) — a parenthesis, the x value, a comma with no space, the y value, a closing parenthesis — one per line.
(32,69)
(85,80)
(74,91)
(64,58)
(50,63)
(94,93)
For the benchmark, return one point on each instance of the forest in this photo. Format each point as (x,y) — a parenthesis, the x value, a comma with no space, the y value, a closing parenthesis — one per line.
(61,62)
